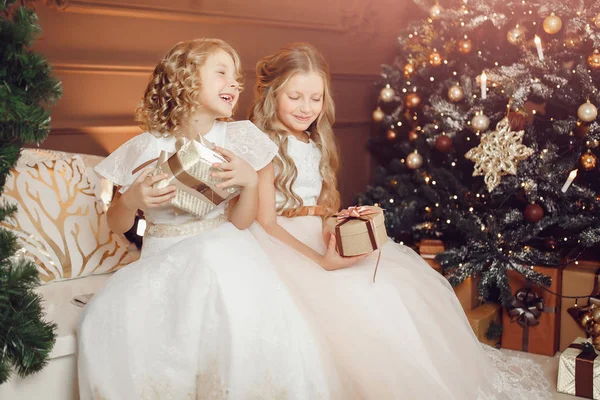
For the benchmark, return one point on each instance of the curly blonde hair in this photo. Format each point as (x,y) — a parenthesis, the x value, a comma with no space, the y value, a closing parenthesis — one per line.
(172,92)
(272,73)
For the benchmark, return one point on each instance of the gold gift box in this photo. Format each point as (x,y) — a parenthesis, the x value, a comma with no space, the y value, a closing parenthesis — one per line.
(481,318)
(189,170)
(356,236)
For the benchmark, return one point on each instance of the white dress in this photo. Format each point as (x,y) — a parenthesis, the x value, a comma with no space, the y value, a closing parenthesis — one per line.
(404,336)
(203,314)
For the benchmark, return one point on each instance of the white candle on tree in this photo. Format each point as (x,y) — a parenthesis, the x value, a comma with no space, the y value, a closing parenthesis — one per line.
(483,85)
(538,45)
(572,176)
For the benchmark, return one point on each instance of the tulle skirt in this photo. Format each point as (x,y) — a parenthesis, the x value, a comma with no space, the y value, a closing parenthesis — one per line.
(206,318)
(404,336)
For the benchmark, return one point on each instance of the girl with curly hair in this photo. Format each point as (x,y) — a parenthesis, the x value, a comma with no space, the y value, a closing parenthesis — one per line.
(404,336)
(202,314)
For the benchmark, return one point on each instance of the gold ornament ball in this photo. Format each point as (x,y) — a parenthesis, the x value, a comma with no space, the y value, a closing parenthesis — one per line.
(596,314)
(586,319)
(587,112)
(456,93)
(391,134)
(465,46)
(572,41)
(414,160)
(480,122)
(413,100)
(592,143)
(435,59)
(387,94)
(552,24)
(597,20)
(413,135)
(594,60)
(596,342)
(588,161)
(435,11)
(515,36)
(378,115)
(595,329)
(409,69)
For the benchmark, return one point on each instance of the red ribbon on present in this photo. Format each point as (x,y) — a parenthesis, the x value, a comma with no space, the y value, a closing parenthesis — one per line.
(359,213)
(584,369)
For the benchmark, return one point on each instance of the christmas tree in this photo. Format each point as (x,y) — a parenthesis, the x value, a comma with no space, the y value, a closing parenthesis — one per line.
(488,136)
(26,90)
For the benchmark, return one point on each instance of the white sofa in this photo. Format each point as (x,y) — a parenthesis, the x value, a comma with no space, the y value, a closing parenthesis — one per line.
(58,380)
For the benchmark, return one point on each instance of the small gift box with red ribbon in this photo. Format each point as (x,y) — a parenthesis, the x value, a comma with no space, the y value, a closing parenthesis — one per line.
(532,321)
(579,370)
(358,230)
(428,249)
(190,169)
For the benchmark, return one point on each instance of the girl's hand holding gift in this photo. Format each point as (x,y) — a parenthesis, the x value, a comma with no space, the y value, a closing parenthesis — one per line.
(236,172)
(332,260)
(142,196)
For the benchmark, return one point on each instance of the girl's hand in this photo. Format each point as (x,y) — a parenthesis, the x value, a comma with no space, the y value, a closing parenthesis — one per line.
(332,259)
(236,172)
(141,195)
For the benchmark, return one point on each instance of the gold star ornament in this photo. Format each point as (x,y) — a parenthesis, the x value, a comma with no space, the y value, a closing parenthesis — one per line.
(498,154)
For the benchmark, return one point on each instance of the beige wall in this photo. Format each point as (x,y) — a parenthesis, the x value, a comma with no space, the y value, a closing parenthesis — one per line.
(104,50)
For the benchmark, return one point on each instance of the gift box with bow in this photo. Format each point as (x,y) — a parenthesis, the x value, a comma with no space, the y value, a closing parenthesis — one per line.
(532,321)
(579,370)
(190,169)
(358,230)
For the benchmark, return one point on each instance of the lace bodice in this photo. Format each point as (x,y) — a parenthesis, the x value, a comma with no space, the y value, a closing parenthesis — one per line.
(307,157)
(242,137)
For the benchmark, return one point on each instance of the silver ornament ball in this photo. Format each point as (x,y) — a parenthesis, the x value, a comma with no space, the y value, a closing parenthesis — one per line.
(587,112)
(480,122)
(456,93)
(387,94)
(414,160)
(515,35)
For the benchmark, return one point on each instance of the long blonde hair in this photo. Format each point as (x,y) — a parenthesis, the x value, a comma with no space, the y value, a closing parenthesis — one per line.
(172,93)
(272,73)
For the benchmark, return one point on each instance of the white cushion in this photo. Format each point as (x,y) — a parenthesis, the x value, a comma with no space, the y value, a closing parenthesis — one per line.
(59,309)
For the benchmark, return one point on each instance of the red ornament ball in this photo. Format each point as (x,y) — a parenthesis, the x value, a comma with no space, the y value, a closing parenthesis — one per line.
(391,134)
(413,135)
(533,212)
(443,143)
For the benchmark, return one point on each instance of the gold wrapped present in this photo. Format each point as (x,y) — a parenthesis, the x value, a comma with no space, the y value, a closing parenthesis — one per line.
(481,318)
(358,230)
(190,169)
(428,249)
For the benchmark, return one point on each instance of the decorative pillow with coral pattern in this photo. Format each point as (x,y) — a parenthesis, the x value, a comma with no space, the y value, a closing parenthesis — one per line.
(60,222)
